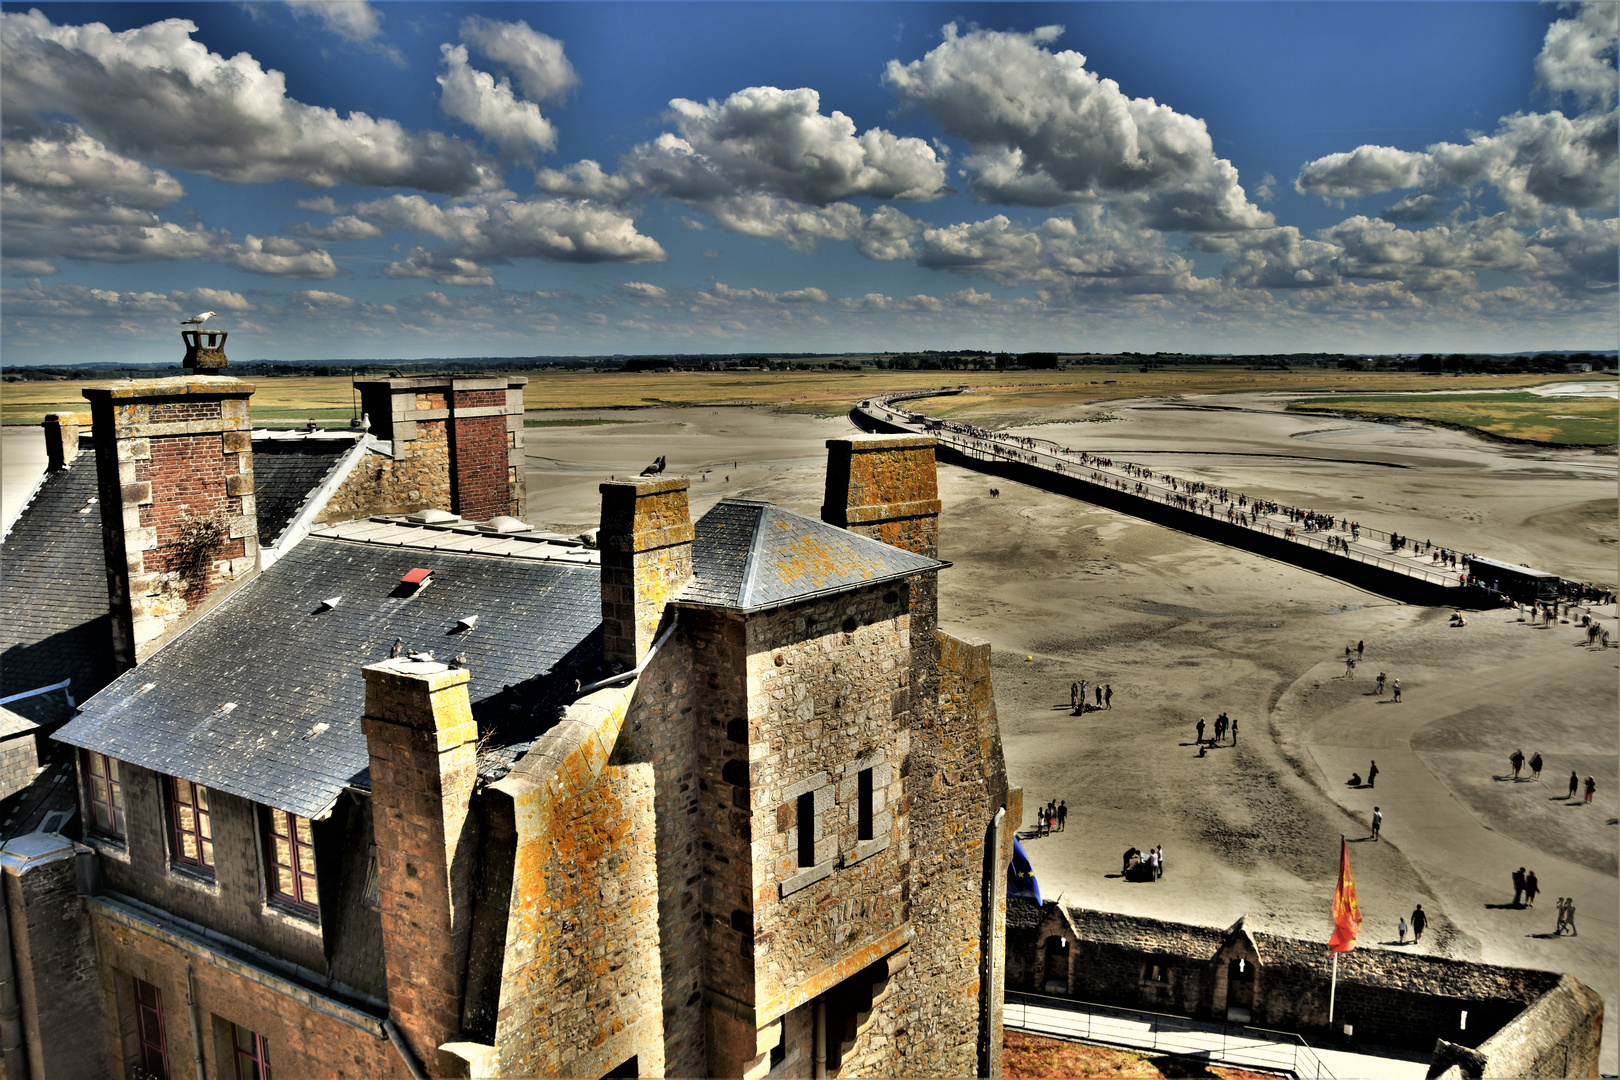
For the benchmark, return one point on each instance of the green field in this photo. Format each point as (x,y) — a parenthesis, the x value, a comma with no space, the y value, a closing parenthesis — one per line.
(1556,421)
(832,393)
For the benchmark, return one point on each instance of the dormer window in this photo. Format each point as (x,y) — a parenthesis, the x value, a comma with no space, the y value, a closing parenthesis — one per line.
(105,794)
(290,858)
(191,826)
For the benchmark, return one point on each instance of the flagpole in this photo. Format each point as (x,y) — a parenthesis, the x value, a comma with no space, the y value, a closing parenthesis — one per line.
(1333,986)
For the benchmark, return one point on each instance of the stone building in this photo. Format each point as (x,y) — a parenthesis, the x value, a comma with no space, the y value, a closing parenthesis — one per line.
(409,788)
(1476,1019)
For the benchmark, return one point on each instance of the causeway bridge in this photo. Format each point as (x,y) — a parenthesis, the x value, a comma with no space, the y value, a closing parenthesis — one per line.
(1364,557)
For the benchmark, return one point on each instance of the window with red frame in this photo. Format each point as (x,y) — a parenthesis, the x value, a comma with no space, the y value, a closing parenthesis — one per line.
(106,794)
(292,861)
(252,1054)
(149,1030)
(192,825)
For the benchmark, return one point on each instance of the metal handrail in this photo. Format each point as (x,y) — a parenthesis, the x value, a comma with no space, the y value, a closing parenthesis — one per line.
(1302,1061)
(974,447)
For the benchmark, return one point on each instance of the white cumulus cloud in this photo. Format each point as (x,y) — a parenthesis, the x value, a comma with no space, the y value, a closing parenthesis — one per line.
(1044,131)
(538,61)
(156,94)
(490,108)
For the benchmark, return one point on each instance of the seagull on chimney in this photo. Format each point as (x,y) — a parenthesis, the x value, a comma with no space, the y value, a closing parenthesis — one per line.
(397,650)
(198,320)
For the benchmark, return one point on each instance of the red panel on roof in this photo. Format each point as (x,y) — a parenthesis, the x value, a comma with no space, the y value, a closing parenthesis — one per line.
(417,576)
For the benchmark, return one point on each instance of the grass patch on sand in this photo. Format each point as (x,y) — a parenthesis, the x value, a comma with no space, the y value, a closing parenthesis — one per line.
(819,393)
(1035,1057)
(1556,421)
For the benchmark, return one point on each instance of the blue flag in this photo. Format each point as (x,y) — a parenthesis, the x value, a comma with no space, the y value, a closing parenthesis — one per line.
(1021,883)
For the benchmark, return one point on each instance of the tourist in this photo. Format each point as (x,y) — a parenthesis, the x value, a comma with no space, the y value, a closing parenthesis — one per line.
(1361,647)
(1062,814)
(1531,887)
(1516,759)
(1098,690)
(1159,852)
(1201,743)
(1535,766)
(1591,788)
(1518,887)
(1234,732)
(1569,916)
(1153,864)
(1349,665)
(1074,698)
(1574,782)
(1382,678)
(1108,695)
(1372,774)
(1561,920)
(1419,921)
(1396,688)
(1400,928)
(1377,822)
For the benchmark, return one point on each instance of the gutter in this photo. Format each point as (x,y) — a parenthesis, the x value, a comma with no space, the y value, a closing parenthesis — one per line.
(63,685)
(639,668)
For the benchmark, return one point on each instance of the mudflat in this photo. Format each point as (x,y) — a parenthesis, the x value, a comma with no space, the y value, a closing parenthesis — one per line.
(1182,628)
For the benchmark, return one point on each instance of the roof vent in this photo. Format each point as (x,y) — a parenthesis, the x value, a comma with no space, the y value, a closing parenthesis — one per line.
(463,625)
(330,602)
(433,517)
(503,523)
(419,577)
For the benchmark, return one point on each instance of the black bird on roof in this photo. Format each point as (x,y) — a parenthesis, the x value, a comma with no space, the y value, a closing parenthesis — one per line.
(655,468)
(398,650)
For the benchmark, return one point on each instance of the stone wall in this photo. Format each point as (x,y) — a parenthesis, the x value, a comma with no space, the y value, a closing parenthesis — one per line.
(1560,1034)
(233,902)
(408,480)
(54,960)
(308,1035)
(828,698)
(646,546)
(578,967)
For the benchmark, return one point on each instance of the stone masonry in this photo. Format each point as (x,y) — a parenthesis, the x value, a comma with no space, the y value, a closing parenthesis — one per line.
(174,462)
(646,545)
(421,735)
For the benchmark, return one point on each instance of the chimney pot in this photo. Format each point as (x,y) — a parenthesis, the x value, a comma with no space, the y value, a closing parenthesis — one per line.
(61,440)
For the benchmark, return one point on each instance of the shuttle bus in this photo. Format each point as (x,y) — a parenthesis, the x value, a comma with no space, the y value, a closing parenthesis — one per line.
(1519,582)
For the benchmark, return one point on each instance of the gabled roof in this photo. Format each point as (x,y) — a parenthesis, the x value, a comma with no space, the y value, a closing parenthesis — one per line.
(238,701)
(753,555)
(53,595)
(285,472)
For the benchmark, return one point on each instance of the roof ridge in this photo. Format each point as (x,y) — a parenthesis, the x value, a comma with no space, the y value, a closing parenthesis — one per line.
(751,563)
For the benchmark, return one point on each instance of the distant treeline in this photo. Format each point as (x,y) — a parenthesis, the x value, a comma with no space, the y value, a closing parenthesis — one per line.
(927,360)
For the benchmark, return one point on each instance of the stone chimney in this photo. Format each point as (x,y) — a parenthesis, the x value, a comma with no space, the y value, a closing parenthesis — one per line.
(423,741)
(61,440)
(457,442)
(885,487)
(174,469)
(646,546)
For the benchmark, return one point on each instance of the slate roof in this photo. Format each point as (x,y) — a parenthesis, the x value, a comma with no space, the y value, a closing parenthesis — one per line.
(284,474)
(752,555)
(53,594)
(288,666)
(53,582)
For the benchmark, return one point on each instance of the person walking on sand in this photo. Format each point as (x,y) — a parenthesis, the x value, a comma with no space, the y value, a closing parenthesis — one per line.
(1396,687)
(1591,788)
(1516,759)
(1574,782)
(1097,690)
(1349,664)
(1400,928)
(1063,814)
(1377,822)
(1518,887)
(1234,731)
(1074,697)
(1569,916)
(1080,706)
(1361,647)
(1531,887)
(1382,678)
(1201,743)
(1372,774)
(1108,695)
(1559,930)
(1535,766)
(1419,921)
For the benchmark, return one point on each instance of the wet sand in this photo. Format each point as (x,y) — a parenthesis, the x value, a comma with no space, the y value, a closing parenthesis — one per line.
(1183,628)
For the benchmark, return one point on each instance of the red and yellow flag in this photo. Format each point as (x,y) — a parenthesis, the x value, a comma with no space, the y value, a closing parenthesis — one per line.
(1346,912)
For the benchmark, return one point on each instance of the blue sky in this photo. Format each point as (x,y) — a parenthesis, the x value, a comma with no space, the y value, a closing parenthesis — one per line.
(343,179)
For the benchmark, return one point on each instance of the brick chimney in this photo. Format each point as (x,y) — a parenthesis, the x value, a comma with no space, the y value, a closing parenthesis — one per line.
(422,738)
(885,487)
(174,469)
(457,442)
(646,546)
(61,440)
